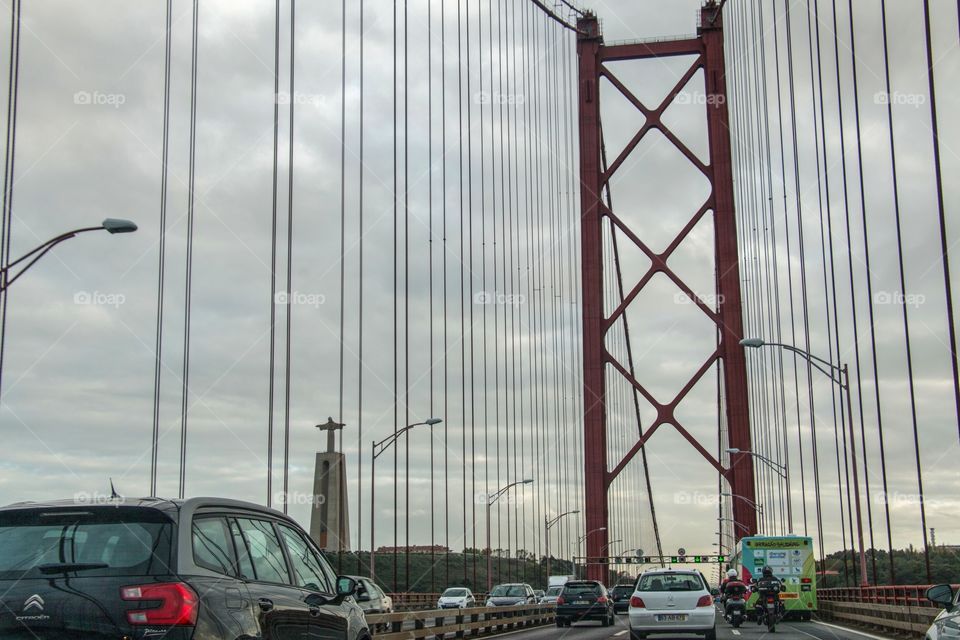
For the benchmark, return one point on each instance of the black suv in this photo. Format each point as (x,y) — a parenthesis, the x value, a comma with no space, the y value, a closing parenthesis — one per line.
(621,597)
(584,600)
(197,569)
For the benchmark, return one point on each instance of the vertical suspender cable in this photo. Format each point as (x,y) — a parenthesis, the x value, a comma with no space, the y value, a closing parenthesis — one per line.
(786,231)
(944,249)
(446,352)
(406,285)
(430,269)
(289,279)
(162,251)
(341,515)
(273,251)
(463,347)
(396,406)
(360,235)
(853,289)
(13,92)
(188,288)
(824,178)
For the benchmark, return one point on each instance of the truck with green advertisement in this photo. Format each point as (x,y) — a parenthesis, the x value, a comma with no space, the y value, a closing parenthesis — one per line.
(791,559)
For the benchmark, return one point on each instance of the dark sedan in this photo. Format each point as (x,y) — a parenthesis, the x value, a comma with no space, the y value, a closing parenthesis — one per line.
(584,600)
(620,595)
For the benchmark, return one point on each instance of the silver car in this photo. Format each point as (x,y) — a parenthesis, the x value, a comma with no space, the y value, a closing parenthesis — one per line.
(668,601)
(371,598)
(505,595)
(550,597)
(456,598)
(946,626)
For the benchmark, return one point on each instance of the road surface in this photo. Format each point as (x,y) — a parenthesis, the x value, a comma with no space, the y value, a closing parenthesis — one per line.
(748,631)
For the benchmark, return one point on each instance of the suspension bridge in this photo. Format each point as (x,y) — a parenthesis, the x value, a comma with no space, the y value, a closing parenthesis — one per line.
(569,290)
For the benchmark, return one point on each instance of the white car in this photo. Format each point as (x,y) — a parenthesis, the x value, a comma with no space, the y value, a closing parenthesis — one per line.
(668,601)
(456,598)
(947,624)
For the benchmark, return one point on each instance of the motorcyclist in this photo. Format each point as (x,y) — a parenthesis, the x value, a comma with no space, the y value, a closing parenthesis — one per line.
(733,589)
(766,585)
(731,575)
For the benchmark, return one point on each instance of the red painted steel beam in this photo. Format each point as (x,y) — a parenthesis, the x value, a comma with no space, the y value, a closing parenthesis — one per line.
(662,49)
(589,43)
(728,272)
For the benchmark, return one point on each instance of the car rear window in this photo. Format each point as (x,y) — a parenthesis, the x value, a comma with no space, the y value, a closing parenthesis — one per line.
(670,582)
(622,589)
(587,588)
(129,541)
(554,591)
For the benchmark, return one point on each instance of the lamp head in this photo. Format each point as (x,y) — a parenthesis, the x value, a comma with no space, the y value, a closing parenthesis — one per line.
(433,421)
(754,343)
(528,481)
(733,450)
(119,225)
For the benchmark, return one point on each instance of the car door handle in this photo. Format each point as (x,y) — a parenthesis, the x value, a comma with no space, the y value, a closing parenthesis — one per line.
(265,604)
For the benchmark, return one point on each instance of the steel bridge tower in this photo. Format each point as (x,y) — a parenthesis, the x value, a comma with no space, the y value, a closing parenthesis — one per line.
(707,48)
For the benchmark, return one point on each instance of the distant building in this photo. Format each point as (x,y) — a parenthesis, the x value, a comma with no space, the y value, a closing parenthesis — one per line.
(416,548)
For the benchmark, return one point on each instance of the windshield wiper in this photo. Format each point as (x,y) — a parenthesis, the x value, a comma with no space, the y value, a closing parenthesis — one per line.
(64,567)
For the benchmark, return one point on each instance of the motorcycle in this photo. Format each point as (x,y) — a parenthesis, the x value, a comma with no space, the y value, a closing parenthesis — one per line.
(735,610)
(770,610)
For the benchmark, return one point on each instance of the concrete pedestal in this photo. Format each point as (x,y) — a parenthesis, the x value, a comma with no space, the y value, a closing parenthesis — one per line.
(330,517)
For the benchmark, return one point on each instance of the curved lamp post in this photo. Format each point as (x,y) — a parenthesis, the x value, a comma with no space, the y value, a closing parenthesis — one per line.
(110,225)
(490,500)
(548,525)
(839,375)
(377,449)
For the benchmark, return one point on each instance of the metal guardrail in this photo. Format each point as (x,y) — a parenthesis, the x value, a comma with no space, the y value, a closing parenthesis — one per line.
(411,601)
(899,609)
(458,623)
(914,595)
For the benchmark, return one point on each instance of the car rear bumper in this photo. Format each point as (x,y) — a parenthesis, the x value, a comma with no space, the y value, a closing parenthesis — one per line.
(621,607)
(696,620)
(591,612)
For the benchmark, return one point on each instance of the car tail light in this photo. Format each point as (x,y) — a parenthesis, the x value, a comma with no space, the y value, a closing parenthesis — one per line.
(637,602)
(705,601)
(806,580)
(560,600)
(602,599)
(174,604)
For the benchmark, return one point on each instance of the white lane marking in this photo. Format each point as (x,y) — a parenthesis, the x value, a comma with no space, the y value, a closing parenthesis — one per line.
(619,633)
(833,626)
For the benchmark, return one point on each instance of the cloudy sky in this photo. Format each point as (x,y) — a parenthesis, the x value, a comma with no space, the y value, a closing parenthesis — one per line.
(78,367)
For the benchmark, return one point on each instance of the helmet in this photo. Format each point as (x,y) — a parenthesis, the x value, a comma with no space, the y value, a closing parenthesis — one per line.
(732,574)
(767,572)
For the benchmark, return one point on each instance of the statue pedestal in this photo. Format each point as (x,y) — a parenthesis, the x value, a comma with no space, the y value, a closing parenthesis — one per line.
(330,517)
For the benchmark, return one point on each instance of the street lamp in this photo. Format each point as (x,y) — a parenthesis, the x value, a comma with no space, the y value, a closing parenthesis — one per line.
(735,523)
(839,375)
(383,445)
(110,225)
(584,537)
(490,500)
(756,507)
(548,524)
(778,468)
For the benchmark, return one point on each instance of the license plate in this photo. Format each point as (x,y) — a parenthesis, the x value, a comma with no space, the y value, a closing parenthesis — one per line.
(580,602)
(671,617)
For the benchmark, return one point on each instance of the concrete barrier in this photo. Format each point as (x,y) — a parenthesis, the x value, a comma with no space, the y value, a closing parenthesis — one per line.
(444,624)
